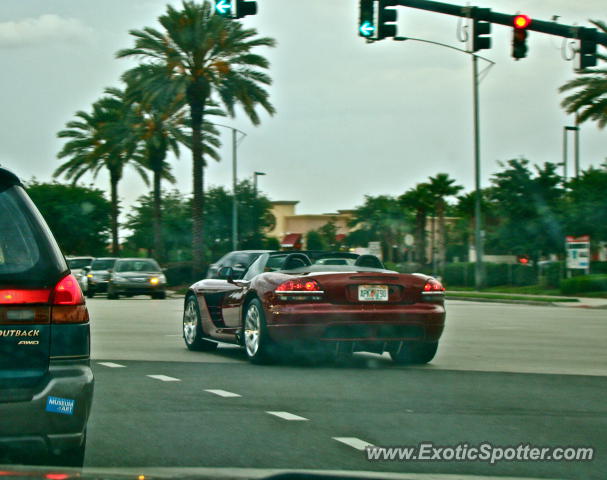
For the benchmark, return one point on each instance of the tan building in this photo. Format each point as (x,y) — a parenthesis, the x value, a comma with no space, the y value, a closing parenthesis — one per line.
(291,229)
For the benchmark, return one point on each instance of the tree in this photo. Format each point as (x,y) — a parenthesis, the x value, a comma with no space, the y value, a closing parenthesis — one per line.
(586,204)
(254,218)
(176,226)
(441,187)
(79,217)
(529,206)
(203,55)
(315,241)
(589,100)
(101,140)
(161,127)
(384,219)
(418,200)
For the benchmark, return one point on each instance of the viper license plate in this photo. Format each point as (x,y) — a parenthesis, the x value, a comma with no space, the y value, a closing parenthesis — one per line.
(372,293)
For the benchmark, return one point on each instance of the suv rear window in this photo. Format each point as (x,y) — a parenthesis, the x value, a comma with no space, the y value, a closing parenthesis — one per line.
(29,255)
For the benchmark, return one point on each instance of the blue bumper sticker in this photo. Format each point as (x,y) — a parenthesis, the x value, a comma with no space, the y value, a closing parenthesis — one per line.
(60,405)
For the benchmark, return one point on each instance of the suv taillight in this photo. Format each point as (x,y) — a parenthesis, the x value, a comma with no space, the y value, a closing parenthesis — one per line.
(67,292)
(22,297)
(68,302)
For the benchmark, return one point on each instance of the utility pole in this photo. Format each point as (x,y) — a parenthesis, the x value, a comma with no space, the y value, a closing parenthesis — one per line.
(255,175)
(234,198)
(478,224)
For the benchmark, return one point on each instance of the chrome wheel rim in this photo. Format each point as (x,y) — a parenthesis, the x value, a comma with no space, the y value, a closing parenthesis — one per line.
(190,323)
(251,330)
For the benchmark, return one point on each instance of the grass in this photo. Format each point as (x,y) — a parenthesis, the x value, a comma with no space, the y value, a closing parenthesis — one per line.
(502,296)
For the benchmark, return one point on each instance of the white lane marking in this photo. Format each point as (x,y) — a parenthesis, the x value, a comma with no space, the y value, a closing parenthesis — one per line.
(354,442)
(164,378)
(223,393)
(111,365)
(287,416)
(175,335)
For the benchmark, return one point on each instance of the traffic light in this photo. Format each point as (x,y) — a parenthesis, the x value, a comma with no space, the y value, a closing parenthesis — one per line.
(245,8)
(235,8)
(522,259)
(223,8)
(519,36)
(366,24)
(587,54)
(481,29)
(480,38)
(386,19)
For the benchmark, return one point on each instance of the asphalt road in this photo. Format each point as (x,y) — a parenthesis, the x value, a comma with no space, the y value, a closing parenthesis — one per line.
(505,374)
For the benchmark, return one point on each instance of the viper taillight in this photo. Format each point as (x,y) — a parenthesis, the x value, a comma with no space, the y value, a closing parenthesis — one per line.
(299,285)
(433,286)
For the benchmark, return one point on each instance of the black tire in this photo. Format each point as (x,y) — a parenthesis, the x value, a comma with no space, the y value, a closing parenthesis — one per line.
(73,457)
(192,328)
(111,294)
(159,295)
(265,351)
(90,293)
(414,353)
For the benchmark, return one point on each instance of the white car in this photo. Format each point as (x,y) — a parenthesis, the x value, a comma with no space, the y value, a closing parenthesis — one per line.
(80,267)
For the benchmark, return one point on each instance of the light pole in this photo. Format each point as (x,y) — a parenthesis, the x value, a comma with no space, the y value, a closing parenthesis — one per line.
(478,224)
(255,175)
(576,141)
(235,133)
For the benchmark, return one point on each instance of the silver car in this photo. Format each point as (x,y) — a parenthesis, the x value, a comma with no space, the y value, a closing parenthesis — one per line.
(136,276)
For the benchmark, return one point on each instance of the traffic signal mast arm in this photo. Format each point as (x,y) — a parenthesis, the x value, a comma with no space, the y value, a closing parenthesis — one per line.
(551,28)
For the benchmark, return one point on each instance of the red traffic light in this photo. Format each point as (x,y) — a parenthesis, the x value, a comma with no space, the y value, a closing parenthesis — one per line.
(523,259)
(521,22)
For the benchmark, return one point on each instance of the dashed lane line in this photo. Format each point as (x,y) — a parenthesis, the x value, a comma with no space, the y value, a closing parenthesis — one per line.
(287,416)
(111,365)
(164,378)
(223,393)
(354,442)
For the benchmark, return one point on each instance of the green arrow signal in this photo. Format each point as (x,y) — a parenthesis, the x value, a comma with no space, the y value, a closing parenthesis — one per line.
(223,7)
(367,29)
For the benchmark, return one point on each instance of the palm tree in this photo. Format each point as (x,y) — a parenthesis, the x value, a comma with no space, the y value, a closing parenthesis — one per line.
(162,120)
(101,140)
(440,188)
(418,199)
(202,56)
(590,99)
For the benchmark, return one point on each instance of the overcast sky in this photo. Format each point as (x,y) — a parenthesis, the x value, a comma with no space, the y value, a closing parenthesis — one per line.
(353,118)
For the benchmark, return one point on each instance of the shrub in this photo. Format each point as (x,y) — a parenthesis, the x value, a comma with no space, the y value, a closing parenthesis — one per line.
(598,267)
(584,283)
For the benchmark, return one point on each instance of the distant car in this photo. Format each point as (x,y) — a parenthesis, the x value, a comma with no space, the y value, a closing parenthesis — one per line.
(299,300)
(79,267)
(99,275)
(239,261)
(46,383)
(136,276)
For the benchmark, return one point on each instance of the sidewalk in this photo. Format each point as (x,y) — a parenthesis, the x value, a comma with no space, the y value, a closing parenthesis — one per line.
(582,302)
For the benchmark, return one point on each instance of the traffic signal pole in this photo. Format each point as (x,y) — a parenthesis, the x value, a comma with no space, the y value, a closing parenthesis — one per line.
(478,224)
(542,26)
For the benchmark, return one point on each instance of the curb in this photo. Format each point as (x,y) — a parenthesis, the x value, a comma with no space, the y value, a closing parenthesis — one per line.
(499,300)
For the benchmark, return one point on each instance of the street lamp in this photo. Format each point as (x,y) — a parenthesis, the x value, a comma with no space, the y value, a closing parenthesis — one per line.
(576,143)
(235,133)
(478,225)
(255,175)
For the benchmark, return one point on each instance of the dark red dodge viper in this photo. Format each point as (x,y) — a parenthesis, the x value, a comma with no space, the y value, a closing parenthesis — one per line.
(336,302)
